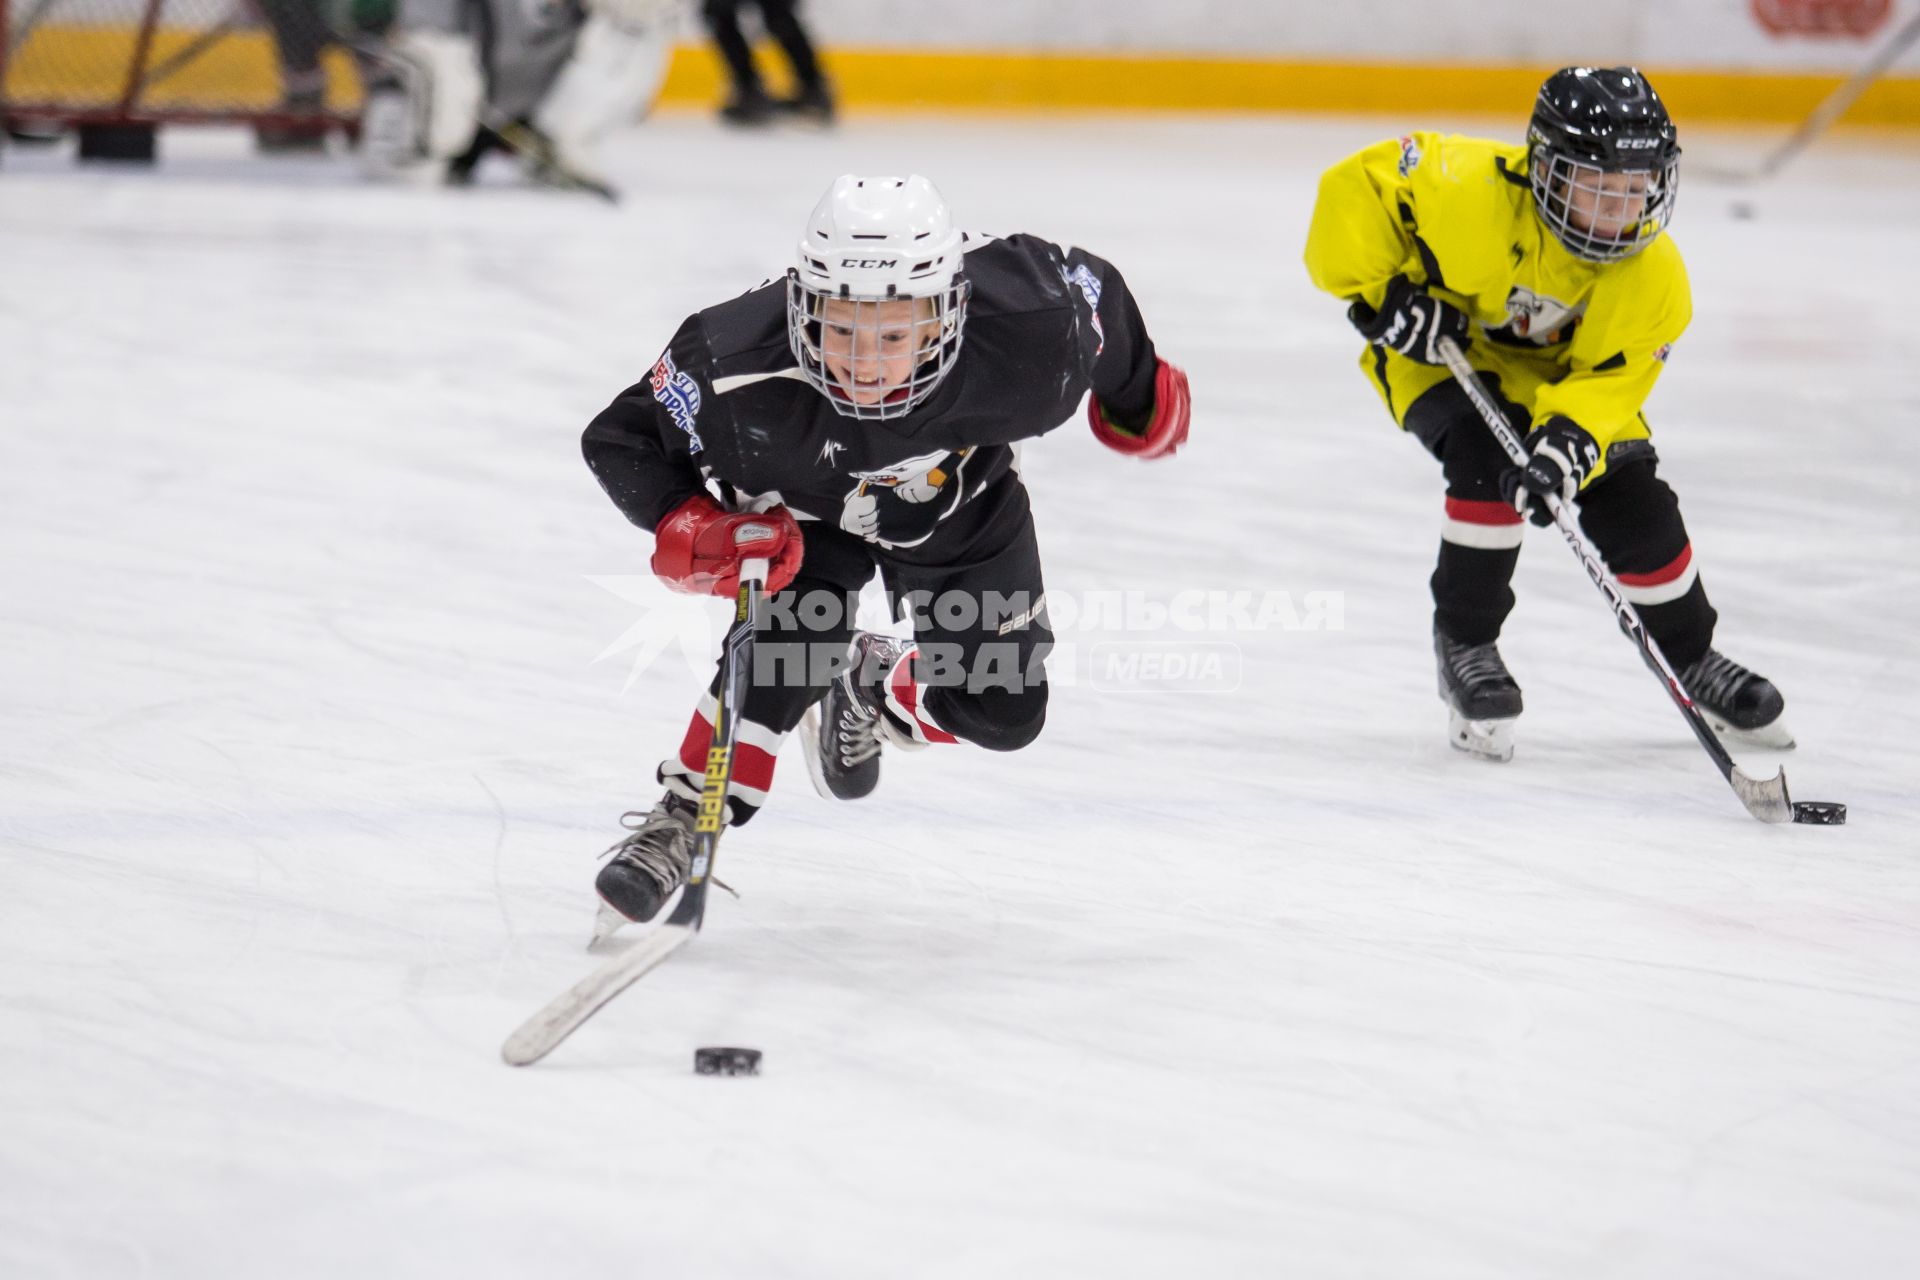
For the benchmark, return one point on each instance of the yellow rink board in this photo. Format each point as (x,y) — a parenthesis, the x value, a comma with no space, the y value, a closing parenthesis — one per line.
(1009,81)
(89,66)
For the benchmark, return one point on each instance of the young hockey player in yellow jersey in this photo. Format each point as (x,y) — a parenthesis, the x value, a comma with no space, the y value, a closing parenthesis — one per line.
(1547,264)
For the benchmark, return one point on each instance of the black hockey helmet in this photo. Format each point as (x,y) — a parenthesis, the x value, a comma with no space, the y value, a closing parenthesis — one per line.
(1591,122)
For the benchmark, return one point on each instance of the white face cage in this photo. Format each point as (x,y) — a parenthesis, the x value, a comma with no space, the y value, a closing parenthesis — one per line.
(875,358)
(1600,215)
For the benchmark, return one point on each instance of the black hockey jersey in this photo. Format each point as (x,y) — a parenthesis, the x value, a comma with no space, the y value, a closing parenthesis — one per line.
(728,402)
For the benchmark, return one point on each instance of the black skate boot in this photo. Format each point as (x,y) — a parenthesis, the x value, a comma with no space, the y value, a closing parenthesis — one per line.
(844,729)
(305,96)
(811,105)
(1482,699)
(748,108)
(1742,707)
(647,866)
(485,142)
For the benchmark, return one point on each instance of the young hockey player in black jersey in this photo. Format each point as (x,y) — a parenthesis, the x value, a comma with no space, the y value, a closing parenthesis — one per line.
(874,397)
(1546,263)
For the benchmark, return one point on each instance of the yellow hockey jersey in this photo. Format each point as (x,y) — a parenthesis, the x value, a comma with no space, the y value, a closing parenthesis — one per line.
(1565,337)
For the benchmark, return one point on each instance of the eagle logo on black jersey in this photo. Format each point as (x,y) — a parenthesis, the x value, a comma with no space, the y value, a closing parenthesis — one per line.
(896,505)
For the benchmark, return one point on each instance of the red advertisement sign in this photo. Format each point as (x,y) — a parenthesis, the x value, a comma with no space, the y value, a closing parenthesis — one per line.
(1849,19)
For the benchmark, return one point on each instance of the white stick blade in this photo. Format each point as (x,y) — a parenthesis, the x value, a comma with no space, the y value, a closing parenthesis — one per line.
(542,1033)
(1766,800)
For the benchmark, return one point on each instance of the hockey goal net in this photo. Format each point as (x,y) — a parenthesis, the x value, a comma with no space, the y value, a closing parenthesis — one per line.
(145,62)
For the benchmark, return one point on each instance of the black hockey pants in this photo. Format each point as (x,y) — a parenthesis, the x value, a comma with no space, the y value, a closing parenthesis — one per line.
(1629,513)
(980,627)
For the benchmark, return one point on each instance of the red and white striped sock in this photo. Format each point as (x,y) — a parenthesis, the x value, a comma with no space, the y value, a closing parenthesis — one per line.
(1667,583)
(906,723)
(1484,526)
(754,753)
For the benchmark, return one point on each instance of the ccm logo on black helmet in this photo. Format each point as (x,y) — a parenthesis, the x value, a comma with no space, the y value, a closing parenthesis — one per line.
(869,264)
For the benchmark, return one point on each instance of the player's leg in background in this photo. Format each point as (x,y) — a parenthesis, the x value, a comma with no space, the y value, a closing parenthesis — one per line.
(299,34)
(1481,536)
(1634,521)
(749,103)
(812,99)
(982,640)
(618,65)
(522,51)
(420,61)
(799,649)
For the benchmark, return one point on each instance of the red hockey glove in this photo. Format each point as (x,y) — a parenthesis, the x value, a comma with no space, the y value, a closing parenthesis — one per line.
(698,548)
(1164,432)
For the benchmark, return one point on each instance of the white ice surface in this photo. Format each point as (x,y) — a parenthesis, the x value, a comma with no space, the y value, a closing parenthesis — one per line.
(307,756)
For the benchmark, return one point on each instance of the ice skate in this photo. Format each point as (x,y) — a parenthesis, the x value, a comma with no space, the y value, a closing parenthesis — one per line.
(1742,706)
(305,96)
(844,729)
(809,106)
(647,866)
(1482,699)
(748,108)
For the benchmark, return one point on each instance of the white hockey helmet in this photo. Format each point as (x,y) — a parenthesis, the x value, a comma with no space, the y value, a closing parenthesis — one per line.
(872,241)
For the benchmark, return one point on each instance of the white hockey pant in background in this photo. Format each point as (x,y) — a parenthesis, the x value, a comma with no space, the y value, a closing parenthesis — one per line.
(423,114)
(611,81)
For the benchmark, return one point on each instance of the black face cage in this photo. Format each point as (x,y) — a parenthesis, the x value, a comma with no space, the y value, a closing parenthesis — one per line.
(1560,179)
(935,362)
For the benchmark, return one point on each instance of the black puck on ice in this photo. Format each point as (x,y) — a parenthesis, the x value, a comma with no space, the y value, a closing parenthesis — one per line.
(726,1062)
(1821,813)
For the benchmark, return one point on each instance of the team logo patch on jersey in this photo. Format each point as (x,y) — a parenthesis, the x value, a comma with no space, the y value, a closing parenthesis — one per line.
(1089,285)
(679,394)
(1539,319)
(1665,350)
(1409,156)
(912,479)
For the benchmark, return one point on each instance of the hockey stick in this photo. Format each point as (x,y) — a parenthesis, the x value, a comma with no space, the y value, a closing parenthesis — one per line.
(543,159)
(1766,799)
(542,1033)
(1831,108)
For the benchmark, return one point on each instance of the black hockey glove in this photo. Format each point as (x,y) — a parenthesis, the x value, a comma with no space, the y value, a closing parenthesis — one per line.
(1411,321)
(1562,456)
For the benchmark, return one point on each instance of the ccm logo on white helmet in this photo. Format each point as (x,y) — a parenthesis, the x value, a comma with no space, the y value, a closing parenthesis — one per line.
(870,264)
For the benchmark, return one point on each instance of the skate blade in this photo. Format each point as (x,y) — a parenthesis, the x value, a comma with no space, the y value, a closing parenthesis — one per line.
(810,748)
(1488,739)
(1768,737)
(606,923)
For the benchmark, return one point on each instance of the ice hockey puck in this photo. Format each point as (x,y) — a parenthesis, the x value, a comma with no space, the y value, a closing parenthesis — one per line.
(1822,813)
(726,1062)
